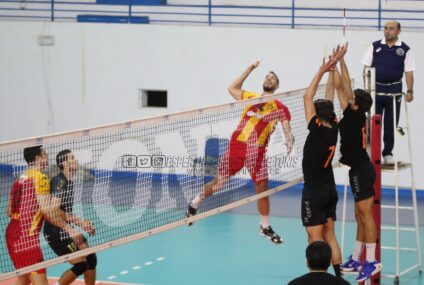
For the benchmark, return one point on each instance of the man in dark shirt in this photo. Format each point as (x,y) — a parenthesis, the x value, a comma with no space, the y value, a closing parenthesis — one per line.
(319,196)
(318,258)
(352,126)
(66,239)
(391,58)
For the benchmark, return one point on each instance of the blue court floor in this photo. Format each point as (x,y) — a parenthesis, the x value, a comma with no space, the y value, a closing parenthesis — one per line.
(225,249)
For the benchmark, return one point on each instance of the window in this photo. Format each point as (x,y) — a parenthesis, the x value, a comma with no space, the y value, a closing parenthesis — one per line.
(152,98)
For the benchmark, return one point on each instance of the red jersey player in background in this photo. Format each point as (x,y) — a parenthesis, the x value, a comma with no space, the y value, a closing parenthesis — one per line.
(30,190)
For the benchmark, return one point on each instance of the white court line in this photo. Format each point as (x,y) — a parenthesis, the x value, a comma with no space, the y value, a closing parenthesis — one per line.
(105,282)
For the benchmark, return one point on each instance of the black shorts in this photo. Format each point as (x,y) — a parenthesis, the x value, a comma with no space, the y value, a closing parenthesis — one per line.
(318,206)
(362,179)
(61,243)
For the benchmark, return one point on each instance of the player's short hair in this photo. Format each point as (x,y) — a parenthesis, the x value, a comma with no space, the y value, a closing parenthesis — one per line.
(363,100)
(61,157)
(324,109)
(276,76)
(318,255)
(31,152)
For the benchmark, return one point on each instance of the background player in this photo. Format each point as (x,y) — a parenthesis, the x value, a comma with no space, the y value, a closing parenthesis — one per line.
(63,238)
(29,199)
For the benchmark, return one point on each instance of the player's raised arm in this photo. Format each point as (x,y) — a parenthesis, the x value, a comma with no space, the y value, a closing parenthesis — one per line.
(347,85)
(308,98)
(235,87)
(330,88)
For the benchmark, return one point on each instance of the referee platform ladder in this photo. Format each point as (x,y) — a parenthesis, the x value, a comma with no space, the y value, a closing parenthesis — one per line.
(394,208)
(406,206)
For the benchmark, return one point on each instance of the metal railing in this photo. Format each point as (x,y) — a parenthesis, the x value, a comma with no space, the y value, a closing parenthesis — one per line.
(289,13)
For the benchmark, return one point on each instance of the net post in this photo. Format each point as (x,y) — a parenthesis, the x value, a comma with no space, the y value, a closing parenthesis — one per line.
(369,84)
(376,161)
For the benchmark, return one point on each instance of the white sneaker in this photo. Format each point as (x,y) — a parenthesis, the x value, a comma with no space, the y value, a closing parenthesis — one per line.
(388,159)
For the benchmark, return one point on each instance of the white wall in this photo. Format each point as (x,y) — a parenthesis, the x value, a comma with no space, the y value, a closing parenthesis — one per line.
(93,71)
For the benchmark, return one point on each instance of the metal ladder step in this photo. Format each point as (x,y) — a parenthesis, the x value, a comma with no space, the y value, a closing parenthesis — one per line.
(393,228)
(413,249)
(399,207)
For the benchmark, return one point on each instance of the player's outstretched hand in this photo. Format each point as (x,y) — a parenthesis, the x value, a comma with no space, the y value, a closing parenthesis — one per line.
(255,64)
(76,236)
(89,228)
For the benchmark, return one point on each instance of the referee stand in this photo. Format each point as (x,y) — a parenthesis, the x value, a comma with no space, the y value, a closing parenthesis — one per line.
(374,136)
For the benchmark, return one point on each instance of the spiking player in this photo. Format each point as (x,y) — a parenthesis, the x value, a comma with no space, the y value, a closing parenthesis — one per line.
(355,104)
(319,196)
(247,147)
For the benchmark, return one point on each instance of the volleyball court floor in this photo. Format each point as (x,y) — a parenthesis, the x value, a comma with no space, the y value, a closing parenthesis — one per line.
(227,249)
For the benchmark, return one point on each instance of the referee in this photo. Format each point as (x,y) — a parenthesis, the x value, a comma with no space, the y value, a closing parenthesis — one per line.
(391,58)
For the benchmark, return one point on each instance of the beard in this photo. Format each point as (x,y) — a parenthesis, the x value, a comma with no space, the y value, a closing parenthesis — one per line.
(268,88)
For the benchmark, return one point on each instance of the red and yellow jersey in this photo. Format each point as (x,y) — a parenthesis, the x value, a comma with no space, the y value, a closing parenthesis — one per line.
(25,211)
(258,121)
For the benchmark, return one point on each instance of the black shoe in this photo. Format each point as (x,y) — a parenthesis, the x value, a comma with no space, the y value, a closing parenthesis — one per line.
(270,234)
(190,212)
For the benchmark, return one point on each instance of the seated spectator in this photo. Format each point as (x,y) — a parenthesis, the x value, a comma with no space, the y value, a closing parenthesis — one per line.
(318,258)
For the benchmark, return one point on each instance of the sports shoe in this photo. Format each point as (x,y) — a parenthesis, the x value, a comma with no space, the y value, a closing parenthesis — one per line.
(369,269)
(388,159)
(351,265)
(190,212)
(269,233)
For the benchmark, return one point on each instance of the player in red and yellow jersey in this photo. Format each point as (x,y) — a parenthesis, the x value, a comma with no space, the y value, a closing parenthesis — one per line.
(30,190)
(248,144)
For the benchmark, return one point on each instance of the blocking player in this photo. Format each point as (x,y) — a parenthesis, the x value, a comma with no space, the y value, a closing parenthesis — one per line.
(319,196)
(355,105)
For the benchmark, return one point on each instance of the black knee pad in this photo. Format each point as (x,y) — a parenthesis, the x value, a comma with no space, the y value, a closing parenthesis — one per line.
(91,261)
(79,268)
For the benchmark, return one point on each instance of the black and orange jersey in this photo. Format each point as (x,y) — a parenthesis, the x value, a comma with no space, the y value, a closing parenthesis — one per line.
(318,153)
(25,211)
(258,121)
(353,137)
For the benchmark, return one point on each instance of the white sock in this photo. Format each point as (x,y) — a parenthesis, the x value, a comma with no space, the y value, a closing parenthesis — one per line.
(371,252)
(359,246)
(196,202)
(264,221)
(57,283)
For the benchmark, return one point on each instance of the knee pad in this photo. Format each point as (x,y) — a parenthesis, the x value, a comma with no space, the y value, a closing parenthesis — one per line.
(79,268)
(91,261)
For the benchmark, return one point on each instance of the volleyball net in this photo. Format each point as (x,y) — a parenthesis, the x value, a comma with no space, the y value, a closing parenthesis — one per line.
(136,178)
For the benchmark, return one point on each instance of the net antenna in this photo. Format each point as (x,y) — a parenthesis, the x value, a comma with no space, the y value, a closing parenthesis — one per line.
(344,26)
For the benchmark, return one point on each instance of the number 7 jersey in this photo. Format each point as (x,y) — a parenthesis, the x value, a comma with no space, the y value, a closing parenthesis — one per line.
(318,153)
